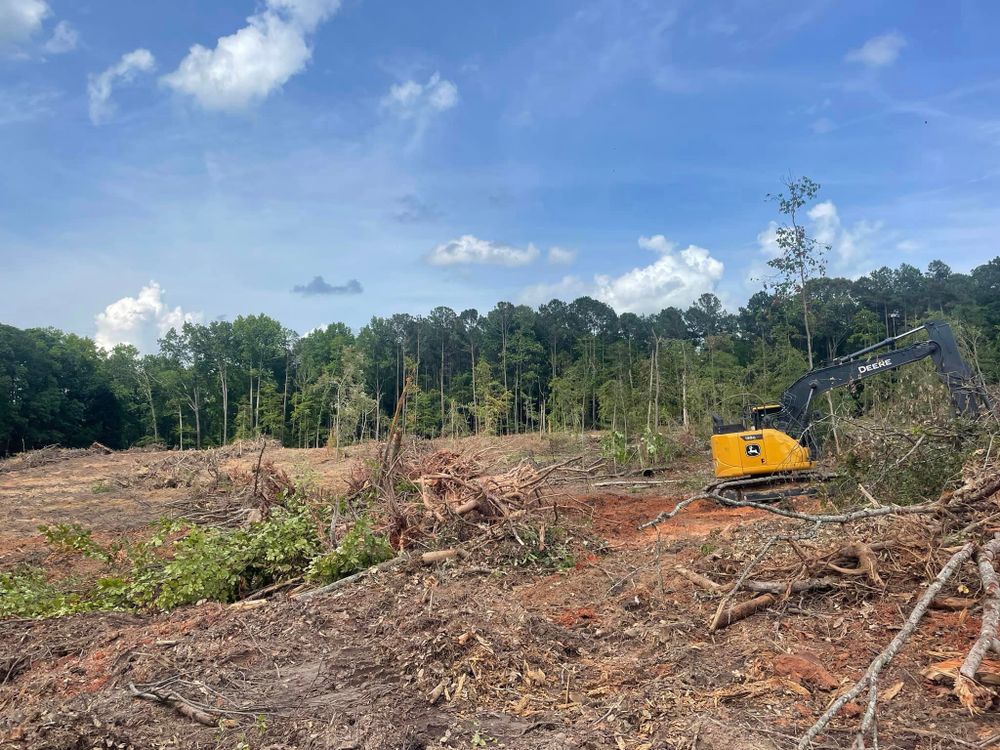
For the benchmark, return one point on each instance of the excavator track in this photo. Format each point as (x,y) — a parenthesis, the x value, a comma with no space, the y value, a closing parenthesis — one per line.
(772,487)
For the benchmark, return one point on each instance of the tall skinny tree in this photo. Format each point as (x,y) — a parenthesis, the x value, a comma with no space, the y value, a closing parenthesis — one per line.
(800,256)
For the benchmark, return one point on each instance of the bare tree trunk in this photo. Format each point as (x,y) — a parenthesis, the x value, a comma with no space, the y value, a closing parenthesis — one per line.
(224,386)
(656,395)
(475,402)
(284,398)
(147,388)
(649,399)
(180,428)
(684,392)
(805,318)
(197,419)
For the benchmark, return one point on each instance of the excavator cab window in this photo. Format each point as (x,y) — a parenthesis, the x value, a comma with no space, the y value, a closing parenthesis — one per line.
(721,428)
(759,414)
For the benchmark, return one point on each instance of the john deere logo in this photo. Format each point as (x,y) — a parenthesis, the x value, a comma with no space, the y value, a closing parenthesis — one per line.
(753,449)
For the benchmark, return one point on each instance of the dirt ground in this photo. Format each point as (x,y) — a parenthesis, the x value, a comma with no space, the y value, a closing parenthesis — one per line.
(492,651)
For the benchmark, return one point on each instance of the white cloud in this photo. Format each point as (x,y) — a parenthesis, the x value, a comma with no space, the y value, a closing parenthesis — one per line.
(768,241)
(21,19)
(850,247)
(247,66)
(412,100)
(64,39)
(675,278)
(139,320)
(467,250)
(101,86)
(878,51)
(560,256)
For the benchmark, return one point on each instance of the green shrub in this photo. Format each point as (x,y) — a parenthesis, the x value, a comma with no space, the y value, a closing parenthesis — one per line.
(655,448)
(72,537)
(26,592)
(615,448)
(359,549)
(183,563)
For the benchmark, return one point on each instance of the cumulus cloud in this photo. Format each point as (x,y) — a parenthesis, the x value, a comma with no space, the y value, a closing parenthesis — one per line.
(560,256)
(247,66)
(64,39)
(878,51)
(850,246)
(21,19)
(101,86)
(469,250)
(767,240)
(675,278)
(139,320)
(318,286)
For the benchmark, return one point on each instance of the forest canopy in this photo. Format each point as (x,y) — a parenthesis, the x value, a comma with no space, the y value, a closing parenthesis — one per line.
(563,366)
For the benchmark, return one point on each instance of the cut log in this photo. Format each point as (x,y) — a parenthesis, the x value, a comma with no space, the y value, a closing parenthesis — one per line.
(741,611)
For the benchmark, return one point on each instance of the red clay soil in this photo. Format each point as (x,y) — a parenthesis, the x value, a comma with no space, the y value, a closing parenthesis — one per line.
(618,517)
(611,651)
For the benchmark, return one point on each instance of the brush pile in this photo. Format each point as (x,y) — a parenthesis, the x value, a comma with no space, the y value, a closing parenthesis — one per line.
(50,454)
(416,491)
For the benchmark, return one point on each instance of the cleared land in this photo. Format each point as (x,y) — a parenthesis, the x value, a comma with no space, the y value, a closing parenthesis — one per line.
(500,649)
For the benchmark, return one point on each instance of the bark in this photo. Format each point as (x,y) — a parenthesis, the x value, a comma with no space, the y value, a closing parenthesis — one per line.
(743,610)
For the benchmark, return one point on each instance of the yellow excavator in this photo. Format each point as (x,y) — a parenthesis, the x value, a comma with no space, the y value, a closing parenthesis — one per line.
(779,441)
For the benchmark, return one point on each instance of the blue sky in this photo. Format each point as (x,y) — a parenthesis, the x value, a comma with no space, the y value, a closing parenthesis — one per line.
(321,161)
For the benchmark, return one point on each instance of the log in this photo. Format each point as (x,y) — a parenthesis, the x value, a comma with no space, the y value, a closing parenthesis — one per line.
(181,705)
(440,555)
(699,580)
(953,603)
(741,611)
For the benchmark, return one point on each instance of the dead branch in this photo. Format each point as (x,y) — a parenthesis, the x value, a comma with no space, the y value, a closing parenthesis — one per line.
(879,663)
(171,698)
(838,518)
(968,691)
(699,580)
(341,583)
(721,615)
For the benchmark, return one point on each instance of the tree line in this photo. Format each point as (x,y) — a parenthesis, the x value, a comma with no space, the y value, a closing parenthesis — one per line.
(562,366)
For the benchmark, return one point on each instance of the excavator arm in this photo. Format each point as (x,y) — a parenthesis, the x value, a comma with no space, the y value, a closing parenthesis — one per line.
(968,398)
